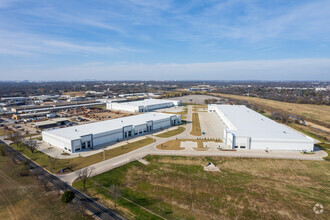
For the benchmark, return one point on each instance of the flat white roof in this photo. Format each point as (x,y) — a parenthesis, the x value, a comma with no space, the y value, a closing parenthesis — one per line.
(75,132)
(146,102)
(249,123)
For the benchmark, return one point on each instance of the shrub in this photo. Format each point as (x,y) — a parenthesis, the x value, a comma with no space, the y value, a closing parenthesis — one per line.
(23,169)
(67,196)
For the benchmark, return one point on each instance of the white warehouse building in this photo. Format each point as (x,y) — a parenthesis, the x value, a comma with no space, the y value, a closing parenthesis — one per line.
(247,129)
(80,137)
(145,105)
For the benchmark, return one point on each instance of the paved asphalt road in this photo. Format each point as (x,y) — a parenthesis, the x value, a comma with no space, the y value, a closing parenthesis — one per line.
(90,204)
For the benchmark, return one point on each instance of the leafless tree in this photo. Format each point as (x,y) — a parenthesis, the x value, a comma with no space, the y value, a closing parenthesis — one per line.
(52,161)
(13,155)
(16,137)
(2,150)
(105,216)
(27,132)
(84,175)
(80,205)
(38,172)
(32,145)
(44,181)
(115,192)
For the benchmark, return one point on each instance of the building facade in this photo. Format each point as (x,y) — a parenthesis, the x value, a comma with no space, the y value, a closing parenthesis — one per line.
(247,129)
(145,105)
(77,138)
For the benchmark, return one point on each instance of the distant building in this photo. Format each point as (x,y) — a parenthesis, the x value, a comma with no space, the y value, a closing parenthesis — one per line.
(45,98)
(14,101)
(198,89)
(75,99)
(132,94)
(52,107)
(81,137)
(247,129)
(29,115)
(145,105)
(51,123)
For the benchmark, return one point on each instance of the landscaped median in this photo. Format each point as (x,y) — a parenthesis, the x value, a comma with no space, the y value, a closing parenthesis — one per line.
(55,165)
(171,133)
(196,127)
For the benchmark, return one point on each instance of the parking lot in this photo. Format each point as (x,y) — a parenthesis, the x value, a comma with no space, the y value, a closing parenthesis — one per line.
(211,124)
(196,99)
(171,110)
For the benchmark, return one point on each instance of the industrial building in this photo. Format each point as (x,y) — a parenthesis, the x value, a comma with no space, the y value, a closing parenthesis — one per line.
(247,129)
(145,105)
(81,137)
(51,123)
(29,115)
(51,107)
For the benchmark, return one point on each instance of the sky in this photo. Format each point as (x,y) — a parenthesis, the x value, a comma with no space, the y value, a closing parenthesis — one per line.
(164,40)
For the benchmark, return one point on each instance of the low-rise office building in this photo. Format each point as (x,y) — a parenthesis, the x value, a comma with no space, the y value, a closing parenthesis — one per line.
(247,129)
(77,138)
(145,105)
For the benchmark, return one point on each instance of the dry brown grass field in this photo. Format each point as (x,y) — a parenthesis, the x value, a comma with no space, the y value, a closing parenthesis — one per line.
(21,197)
(319,113)
(179,188)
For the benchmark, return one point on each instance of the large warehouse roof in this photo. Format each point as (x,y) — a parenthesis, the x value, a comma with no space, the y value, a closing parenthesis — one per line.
(146,102)
(249,123)
(75,132)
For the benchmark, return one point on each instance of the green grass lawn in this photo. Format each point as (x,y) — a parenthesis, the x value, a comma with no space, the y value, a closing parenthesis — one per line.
(81,162)
(179,188)
(171,133)
(21,197)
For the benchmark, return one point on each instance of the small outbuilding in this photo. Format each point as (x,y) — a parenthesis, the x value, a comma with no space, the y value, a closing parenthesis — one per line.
(211,167)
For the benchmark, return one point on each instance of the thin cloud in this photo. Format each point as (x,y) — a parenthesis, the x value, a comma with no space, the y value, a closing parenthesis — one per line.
(165,31)
(25,44)
(286,69)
